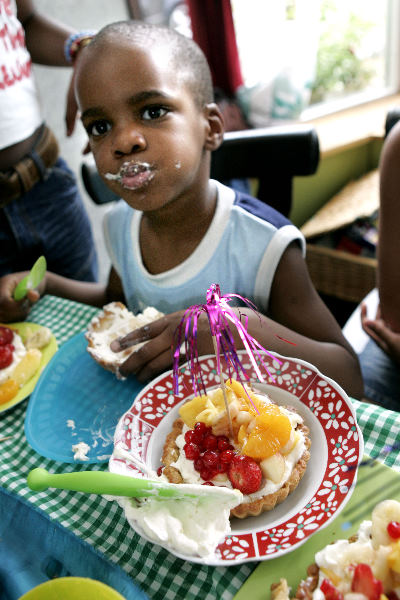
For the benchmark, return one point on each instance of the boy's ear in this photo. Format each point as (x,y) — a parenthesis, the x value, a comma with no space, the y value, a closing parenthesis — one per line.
(215,126)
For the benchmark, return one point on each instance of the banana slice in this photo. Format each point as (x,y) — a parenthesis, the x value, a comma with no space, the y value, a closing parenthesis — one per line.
(38,339)
(384,513)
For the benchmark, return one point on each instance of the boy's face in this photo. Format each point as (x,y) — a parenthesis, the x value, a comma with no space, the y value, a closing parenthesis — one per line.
(148,137)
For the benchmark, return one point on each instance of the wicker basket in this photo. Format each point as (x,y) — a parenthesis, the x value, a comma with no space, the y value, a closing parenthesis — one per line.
(341,274)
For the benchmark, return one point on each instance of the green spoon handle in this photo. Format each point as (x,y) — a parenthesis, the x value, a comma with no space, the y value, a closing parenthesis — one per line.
(100,482)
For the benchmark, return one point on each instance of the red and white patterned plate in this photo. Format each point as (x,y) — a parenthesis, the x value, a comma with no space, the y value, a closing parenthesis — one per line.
(326,487)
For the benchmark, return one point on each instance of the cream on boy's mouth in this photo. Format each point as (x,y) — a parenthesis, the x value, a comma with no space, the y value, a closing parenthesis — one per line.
(132,175)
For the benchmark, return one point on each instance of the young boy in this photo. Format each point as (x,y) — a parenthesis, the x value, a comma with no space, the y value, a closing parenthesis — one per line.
(146,102)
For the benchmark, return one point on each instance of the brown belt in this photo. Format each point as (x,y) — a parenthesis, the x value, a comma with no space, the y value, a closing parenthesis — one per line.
(29,170)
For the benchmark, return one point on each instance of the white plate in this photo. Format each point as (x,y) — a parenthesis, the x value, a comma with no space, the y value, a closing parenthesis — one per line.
(322,493)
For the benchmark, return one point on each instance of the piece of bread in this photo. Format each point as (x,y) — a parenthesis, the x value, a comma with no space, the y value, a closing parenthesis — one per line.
(254,508)
(113,322)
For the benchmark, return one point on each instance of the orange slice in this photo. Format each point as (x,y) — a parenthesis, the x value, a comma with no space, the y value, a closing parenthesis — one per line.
(271,432)
(8,390)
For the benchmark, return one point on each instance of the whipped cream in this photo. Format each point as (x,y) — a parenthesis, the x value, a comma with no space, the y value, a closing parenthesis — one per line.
(80,451)
(340,557)
(18,353)
(190,526)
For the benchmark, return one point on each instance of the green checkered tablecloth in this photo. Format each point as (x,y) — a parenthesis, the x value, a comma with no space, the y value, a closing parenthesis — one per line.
(102,524)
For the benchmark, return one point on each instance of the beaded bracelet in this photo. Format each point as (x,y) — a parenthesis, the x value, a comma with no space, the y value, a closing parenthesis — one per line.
(75,42)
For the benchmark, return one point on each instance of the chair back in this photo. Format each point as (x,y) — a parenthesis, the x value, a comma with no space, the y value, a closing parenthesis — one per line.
(272,156)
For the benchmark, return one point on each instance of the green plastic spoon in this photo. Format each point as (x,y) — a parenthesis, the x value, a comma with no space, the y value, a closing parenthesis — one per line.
(102,482)
(32,280)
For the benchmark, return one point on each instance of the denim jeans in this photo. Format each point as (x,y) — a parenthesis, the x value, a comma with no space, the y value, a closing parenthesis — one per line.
(51,220)
(381,377)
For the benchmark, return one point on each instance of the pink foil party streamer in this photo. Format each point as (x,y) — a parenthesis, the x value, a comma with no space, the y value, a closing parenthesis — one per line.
(220,316)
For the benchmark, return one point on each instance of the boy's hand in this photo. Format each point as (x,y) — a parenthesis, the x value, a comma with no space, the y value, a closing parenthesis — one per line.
(11,310)
(381,334)
(156,355)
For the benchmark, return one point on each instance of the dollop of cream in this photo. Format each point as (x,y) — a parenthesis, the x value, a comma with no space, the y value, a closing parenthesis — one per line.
(191,526)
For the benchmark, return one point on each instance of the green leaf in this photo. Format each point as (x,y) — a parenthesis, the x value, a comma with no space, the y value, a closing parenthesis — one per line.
(32,280)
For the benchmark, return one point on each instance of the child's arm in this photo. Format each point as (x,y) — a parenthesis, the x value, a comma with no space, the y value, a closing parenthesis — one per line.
(389,225)
(381,333)
(297,314)
(295,307)
(96,294)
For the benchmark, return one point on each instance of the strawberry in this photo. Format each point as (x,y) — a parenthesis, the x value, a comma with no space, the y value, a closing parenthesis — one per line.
(6,336)
(365,583)
(244,474)
(6,356)
(330,591)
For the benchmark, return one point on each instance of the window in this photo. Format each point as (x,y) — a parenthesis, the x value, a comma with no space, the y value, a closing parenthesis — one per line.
(322,54)
(305,58)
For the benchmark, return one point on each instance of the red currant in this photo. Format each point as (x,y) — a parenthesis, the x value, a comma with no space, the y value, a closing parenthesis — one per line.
(192,451)
(226,456)
(210,458)
(199,431)
(222,467)
(200,427)
(210,442)
(198,464)
(159,471)
(222,442)
(6,336)
(6,356)
(206,474)
(208,483)
(189,436)
(393,529)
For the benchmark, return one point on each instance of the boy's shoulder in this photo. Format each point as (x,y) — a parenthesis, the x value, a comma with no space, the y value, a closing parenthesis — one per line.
(260,209)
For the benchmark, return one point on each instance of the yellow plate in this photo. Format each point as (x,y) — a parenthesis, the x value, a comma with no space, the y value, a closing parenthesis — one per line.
(47,353)
(72,588)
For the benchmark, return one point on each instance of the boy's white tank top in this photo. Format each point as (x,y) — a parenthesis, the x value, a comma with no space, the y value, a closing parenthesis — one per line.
(240,251)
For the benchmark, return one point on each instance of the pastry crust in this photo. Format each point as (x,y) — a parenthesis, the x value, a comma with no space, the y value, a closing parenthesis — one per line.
(256,507)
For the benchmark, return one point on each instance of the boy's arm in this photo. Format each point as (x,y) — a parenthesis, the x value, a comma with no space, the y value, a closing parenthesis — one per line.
(389,236)
(95,294)
(297,314)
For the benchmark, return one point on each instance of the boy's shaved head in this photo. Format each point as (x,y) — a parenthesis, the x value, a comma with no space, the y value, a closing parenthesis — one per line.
(187,59)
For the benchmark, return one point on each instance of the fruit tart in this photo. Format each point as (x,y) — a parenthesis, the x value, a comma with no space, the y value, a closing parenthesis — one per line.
(365,567)
(264,453)
(19,358)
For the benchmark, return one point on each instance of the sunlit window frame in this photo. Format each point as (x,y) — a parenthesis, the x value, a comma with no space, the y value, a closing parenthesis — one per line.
(392,75)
